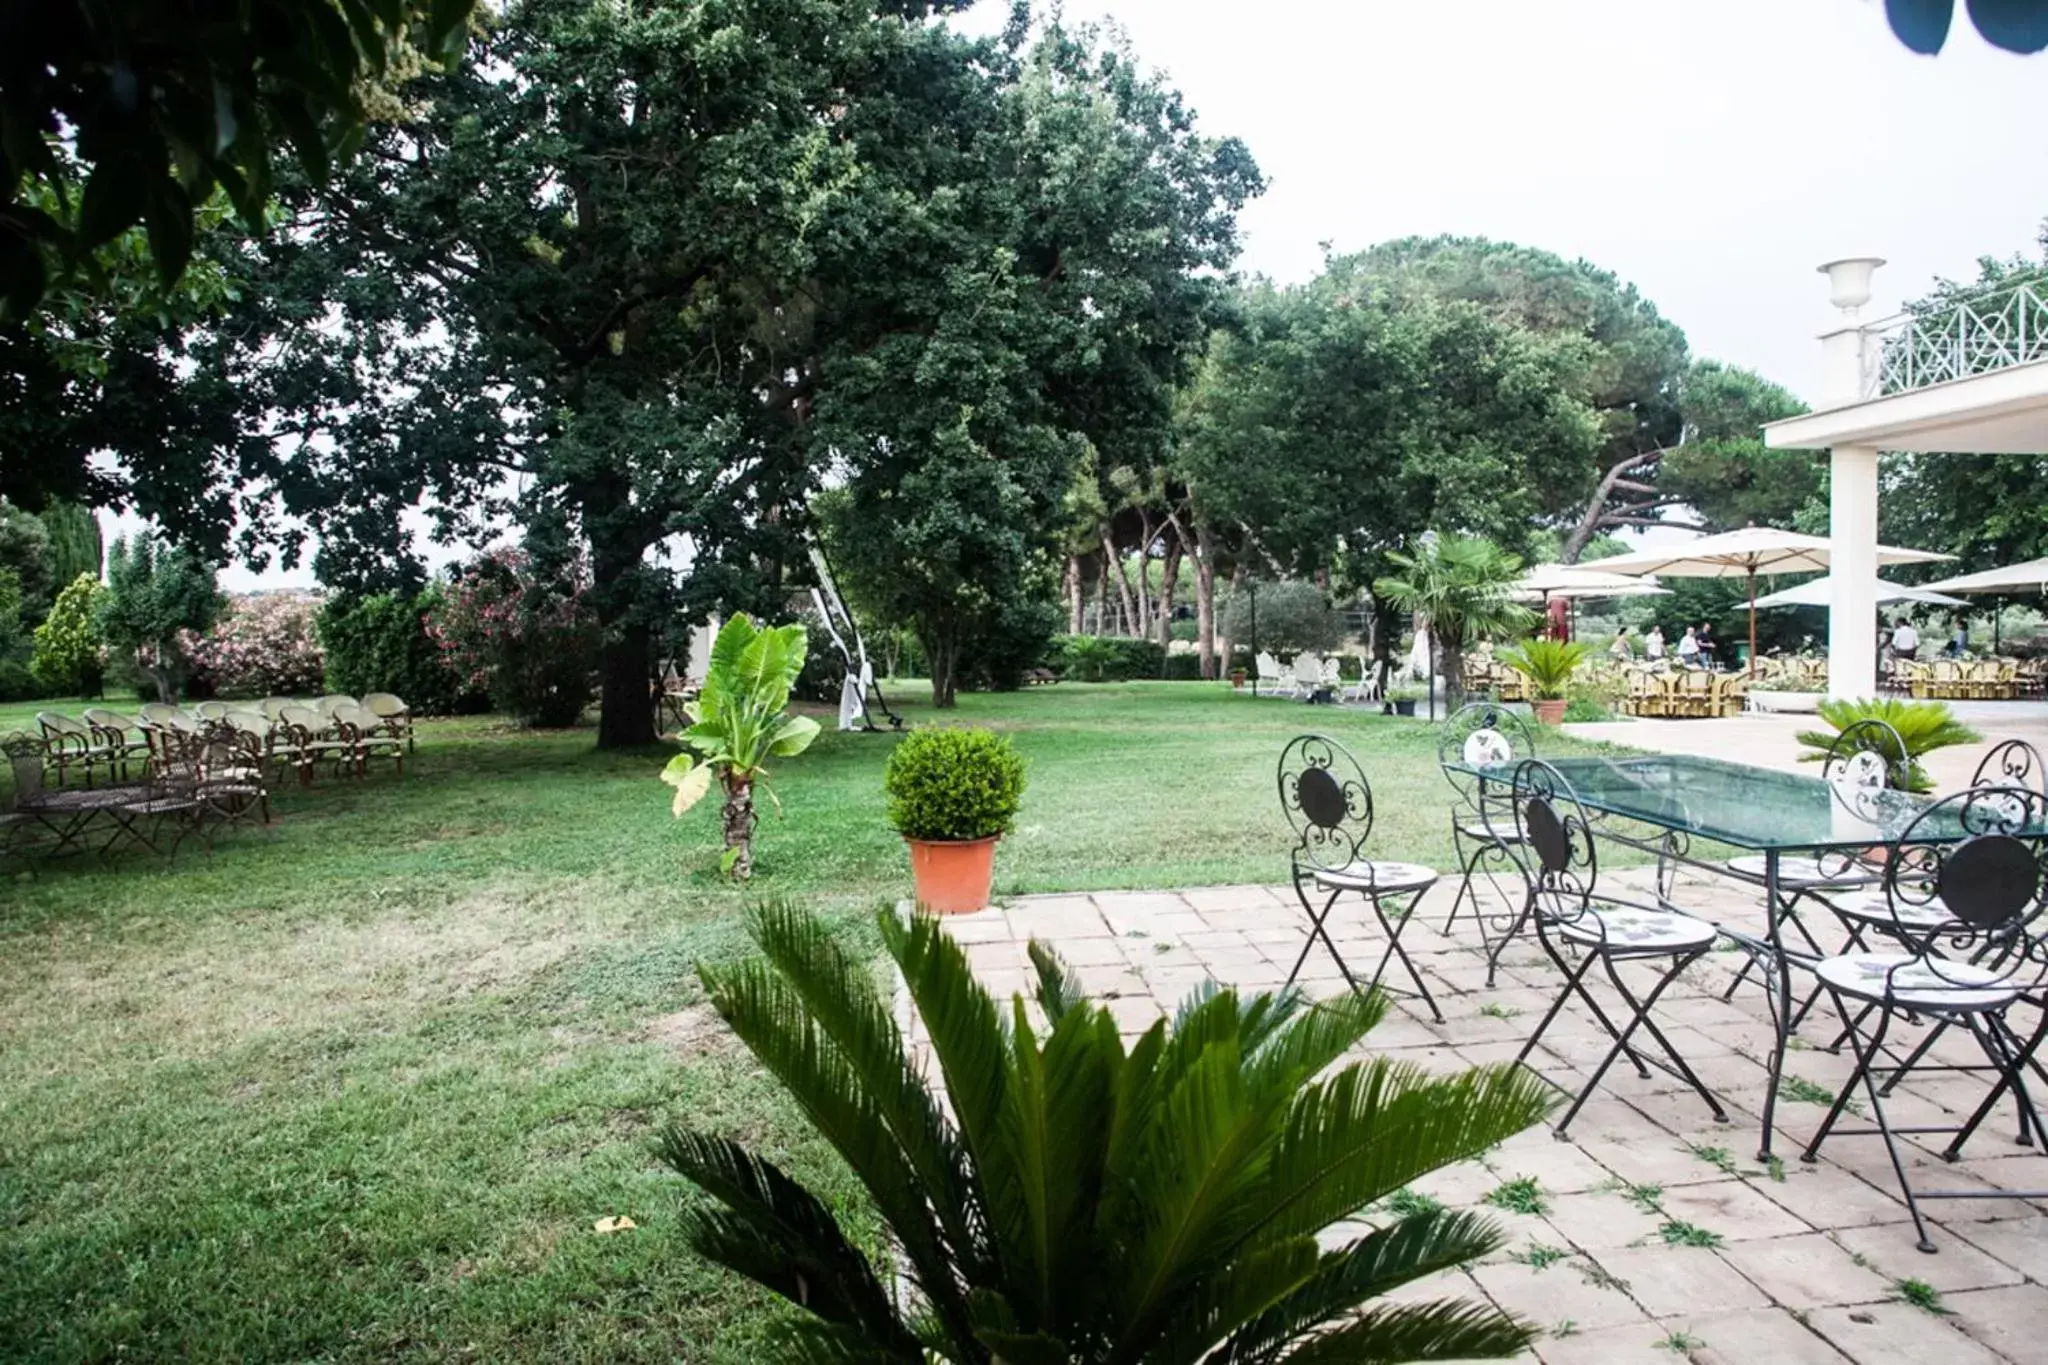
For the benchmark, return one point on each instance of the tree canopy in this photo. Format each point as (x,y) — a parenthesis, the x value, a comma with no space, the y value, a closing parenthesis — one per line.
(117,114)
(1721,470)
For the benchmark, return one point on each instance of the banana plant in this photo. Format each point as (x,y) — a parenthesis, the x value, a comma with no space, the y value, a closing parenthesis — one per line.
(1071,1200)
(737,723)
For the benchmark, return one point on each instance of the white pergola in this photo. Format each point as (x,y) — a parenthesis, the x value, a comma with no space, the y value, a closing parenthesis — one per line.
(1971,378)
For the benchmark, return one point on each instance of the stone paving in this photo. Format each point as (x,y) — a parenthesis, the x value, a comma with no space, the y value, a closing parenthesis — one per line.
(1659,1236)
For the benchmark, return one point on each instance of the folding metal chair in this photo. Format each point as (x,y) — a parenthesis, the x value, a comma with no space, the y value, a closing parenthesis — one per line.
(1985,891)
(1483,734)
(1552,841)
(1329,805)
(1866,758)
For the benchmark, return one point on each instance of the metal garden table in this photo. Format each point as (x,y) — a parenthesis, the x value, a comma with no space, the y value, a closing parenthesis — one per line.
(1759,810)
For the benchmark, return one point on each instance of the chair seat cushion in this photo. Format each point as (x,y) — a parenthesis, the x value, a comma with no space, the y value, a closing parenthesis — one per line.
(1878,911)
(1381,877)
(1802,871)
(1627,929)
(1954,985)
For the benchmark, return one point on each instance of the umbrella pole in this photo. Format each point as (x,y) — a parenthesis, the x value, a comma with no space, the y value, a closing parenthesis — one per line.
(1752,626)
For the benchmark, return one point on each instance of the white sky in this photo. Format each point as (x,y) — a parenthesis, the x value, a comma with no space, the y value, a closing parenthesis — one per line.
(1712,152)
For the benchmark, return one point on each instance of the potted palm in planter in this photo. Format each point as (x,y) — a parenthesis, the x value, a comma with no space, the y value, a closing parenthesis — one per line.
(1057,1202)
(953,792)
(1922,726)
(1548,665)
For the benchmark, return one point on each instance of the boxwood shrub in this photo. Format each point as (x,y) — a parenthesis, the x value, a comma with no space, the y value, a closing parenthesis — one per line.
(947,782)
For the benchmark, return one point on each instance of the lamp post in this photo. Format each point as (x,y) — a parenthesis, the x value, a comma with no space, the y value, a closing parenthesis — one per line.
(1429,626)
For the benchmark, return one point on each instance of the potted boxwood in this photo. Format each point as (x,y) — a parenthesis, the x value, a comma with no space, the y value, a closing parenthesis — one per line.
(953,792)
(1549,666)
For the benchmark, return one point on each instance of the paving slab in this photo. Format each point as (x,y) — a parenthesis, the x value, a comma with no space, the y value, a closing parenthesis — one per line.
(1807,1265)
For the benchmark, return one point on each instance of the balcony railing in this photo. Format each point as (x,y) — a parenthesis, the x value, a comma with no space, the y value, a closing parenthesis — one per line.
(1995,329)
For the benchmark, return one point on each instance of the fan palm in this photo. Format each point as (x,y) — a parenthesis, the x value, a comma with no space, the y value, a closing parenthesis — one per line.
(1071,1200)
(1464,587)
(1922,726)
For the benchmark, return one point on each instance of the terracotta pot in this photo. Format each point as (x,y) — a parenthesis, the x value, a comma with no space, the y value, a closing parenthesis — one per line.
(1237,678)
(952,876)
(1549,711)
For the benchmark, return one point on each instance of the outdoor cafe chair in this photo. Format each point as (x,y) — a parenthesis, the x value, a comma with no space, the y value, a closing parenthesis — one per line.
(70,744)
(1269,671)
(211,710)
(305,738)
(1482,734)
(272,707)
(371,739)
(1328,803)
(394,717)
(1547,832)
(1988,891)
(118,736)
(161,712)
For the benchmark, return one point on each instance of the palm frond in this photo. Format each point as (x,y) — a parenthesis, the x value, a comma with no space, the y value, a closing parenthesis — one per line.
(1319,1035)
(1413,1332)
(1374,1127)
(773,1021)
(843,1001)
(1241,1290)
(1059,989)
(1376,1264)
(809,1342)
(781,1236)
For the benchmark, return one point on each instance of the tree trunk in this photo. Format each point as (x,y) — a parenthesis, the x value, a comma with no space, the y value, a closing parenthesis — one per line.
(626,664)
(1205,606)
(738,825)
(1144,622)
(159,671)
(1225,646)
(942,655)
(1169,575)
(1072,588)
(1450,660)
(1123,585)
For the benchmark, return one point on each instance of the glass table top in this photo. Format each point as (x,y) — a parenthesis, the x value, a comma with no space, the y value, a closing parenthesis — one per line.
(1734,803)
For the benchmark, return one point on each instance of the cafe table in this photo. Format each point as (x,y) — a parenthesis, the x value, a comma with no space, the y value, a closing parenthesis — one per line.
(1761,811)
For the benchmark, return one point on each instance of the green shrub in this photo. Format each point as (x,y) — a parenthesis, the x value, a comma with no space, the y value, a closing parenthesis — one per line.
(995,657)
(18,684)
(946,782)
(823,668)
(69,647)
(1547,664)
(1292,616)
(379,643)
(1109,658)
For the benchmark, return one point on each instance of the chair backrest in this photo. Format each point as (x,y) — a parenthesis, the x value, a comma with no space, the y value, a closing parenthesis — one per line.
(211,710)
(1308,669)
(300,717)
(1269,667)
(1482,734)
(1991,883)
(1549,837)
(2012,763)
(157,712)
(384,705)
(101,718)
(1327,801)
(1333,671)
(26,756)
(326,705)
(247,721)
(1867,755)
(56,724)
(271,706)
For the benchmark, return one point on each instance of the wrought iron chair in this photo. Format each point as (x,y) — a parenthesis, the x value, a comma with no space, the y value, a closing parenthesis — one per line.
(118,736)
(1552,841)
(2011,763)
(1482,734)
(1865,759)
(1328,803)
(1987,891)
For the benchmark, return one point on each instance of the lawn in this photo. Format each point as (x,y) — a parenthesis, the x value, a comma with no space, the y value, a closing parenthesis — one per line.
(357,1088)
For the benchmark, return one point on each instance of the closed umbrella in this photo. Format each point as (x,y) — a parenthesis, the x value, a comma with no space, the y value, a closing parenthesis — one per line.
(1746,553)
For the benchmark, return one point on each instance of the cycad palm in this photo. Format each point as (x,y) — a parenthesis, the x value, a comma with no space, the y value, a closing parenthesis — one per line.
(1083,1202)
(1922,726)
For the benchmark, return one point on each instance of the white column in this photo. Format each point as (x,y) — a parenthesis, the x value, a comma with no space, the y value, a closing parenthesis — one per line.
(1852,613)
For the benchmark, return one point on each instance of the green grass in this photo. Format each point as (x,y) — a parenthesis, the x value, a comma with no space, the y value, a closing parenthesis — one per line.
(1537,1256)
(357,1088)
(1676,1232)
(1520,1195)
(1923,1295)
(1810,1092)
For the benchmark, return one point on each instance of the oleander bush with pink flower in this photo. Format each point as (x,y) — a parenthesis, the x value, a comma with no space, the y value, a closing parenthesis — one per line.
(263,645)
(528,638)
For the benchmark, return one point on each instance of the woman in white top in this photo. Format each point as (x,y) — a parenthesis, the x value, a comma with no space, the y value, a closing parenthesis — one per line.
(1653,643)
(1621,649)
(1689,648)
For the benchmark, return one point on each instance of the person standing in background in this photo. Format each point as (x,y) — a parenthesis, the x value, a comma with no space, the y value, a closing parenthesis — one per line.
(1905,640)
(1689,649)
(1653,645)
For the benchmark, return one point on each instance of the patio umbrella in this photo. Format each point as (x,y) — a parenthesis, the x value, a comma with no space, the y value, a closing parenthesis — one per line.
(1819,593)
(1574,581)
(1745,554)
(2031,576)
